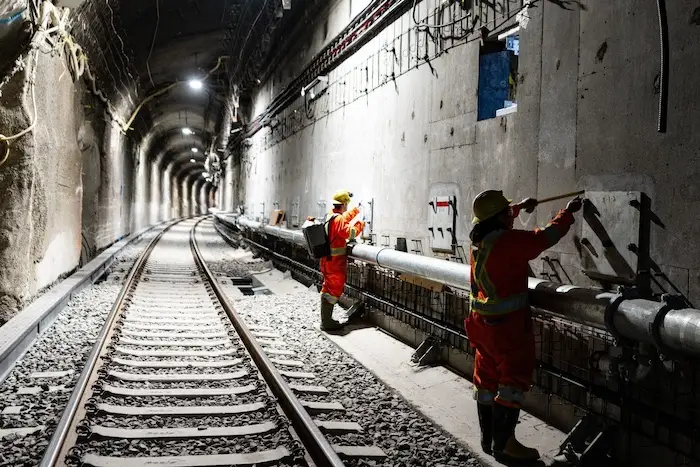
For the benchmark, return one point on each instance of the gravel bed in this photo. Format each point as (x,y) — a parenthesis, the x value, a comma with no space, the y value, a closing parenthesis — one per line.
(204,446)
(65,346)
(251,418)
(183,370)
(152,348)
(254,396)
(221,258)
(131,252)
(234,383)
(239,354)
(388,421)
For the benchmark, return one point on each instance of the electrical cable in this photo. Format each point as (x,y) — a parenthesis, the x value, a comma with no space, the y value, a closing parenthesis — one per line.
(663,69)
(52,37)
(32,88)
(240,55)
(12,18)
(421,26)
(153,43)
(125,65)
(424,26)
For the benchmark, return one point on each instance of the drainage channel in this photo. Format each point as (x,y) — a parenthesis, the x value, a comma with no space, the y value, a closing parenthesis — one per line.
(250,286)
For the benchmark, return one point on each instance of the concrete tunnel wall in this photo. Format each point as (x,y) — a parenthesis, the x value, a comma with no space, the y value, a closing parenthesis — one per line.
(586,119)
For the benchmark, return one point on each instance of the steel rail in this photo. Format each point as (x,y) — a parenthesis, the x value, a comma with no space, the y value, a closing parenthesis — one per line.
(671,328)
(314,441)
(68,422)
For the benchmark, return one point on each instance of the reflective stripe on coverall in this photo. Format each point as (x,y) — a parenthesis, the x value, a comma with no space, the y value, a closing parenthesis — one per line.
(499,324)
(334,267)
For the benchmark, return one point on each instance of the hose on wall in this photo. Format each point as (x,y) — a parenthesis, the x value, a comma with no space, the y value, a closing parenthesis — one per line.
(663,71)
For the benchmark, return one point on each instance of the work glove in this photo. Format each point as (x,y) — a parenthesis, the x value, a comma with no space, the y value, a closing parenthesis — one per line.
(574,205)
(528,204)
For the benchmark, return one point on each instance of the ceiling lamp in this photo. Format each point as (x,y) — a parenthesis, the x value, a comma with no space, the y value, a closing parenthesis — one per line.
(187,131)
(195,150)
(196,84)
(193,161)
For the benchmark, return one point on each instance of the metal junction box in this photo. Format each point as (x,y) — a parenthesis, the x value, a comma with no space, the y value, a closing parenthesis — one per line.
(442,222)
(613,239)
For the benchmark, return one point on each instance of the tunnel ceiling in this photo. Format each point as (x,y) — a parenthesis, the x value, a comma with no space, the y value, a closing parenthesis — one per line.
(177,40)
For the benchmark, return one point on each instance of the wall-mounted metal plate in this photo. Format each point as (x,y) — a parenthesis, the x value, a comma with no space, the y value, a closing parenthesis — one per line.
(610,235)
(442,216)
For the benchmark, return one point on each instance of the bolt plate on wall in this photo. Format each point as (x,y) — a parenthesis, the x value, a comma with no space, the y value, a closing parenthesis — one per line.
(442,215)
(610,235)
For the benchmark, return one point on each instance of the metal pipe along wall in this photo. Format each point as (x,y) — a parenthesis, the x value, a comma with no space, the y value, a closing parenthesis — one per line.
(634,319)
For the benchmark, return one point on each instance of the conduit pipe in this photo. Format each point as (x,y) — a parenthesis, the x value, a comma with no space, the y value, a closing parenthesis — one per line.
(672,331)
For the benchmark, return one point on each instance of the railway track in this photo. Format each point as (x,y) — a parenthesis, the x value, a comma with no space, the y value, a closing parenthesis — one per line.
(177,378)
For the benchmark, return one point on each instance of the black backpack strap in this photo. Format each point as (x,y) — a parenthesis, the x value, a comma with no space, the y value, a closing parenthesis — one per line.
(328,223)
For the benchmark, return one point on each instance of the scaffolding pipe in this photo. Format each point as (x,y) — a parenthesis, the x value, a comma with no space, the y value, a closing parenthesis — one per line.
(672,331)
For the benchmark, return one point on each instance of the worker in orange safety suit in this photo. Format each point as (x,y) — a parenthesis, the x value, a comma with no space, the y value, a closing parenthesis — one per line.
(499,324)
(334,267)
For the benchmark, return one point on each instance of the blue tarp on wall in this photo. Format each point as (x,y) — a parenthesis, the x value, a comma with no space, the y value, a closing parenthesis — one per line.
(493,83)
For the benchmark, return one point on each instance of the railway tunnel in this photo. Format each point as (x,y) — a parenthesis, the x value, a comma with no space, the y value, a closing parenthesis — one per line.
(124,121)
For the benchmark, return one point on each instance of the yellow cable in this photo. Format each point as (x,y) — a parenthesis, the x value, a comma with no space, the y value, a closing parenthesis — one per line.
(7,139)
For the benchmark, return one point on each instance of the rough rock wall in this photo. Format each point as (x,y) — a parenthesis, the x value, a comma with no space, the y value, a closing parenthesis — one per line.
(66,186)
(40,184)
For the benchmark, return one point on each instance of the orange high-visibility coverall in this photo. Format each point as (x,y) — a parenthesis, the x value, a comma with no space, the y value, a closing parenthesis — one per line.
(334,267)
(499,325)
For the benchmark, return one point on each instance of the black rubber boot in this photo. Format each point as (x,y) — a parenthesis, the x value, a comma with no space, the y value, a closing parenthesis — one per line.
(486,424)
(505,447)
(328,324)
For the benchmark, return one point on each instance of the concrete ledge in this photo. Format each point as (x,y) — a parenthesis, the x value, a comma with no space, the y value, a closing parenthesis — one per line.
(18,334)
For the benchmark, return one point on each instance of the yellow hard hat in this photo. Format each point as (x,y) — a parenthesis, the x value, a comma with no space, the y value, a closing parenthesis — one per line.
(342,197)
(489,203)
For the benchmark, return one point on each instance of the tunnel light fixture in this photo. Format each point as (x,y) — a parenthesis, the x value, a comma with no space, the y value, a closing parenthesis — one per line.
(196,84)
(187,131)
(193,161)
(195,150)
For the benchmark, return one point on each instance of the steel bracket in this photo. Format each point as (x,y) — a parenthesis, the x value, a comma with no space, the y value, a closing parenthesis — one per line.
(623,293)
(355,311)
(588,443)
(427,353)
(670,303)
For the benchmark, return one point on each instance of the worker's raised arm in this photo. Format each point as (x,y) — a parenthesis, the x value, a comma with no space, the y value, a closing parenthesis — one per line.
(347,231)
(533,243)
(350,214)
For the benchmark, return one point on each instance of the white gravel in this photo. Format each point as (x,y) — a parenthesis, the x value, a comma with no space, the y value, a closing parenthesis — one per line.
(222,258)
(387,419)
(64,346)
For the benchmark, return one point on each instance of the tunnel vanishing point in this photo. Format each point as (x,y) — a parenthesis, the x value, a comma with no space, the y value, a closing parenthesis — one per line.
(116,115)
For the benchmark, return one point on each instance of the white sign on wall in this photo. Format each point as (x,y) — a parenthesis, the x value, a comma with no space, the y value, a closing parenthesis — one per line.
(442,223)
